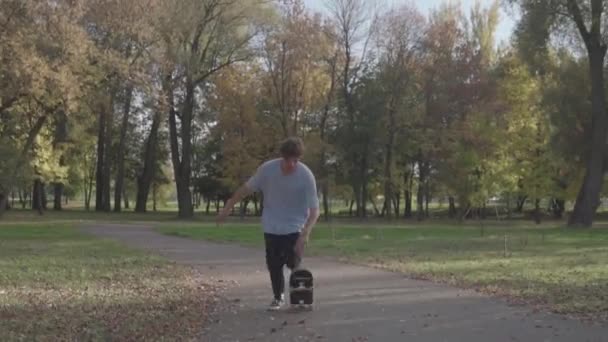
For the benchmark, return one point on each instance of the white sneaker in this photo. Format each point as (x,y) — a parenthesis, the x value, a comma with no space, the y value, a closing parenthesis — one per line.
(276,304)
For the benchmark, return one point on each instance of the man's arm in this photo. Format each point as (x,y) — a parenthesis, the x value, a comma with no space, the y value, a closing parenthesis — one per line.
(241,193)
(313,216)
(312,201)
(253,184)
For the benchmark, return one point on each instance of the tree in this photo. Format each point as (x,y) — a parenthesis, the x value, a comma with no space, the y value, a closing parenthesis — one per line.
(354,25)
(138,37)
(526,151)
(399,51)
(152,151)
(242,139)
(292,52)
(586,19)
(300,80)
(446,99)
(121,34)
(200,38)
(565,89)
(43,76)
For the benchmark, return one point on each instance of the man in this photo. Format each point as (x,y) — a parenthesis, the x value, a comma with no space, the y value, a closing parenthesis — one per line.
(291,208)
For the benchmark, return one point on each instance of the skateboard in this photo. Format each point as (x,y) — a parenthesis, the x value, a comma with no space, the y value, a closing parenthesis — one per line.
(301,288)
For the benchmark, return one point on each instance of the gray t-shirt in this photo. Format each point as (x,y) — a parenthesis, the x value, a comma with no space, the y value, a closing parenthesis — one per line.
(287,198)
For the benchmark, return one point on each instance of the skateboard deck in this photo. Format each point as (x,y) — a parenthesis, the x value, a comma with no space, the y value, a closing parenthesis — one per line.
(301,288)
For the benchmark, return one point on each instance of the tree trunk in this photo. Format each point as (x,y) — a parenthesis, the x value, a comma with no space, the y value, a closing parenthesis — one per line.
(44,200)
(88,191)
(126,198)
(181,161)
(521,201)
(243,208)
(144,180)
(3,204)
(38,196)
(364,183)
(427,197)
(104,142)
(558,207)
(537,217)
(420,202)
(421,190)
(120,156)
(388,162)
(356,198)
(588,198)
(61,136)
(208,207)
(322,133)
(107,166)
(407,211)
(57,197)
(101,133)
(154,197)
(452,207)
(397,203)
(325,194)
(21,198)
(87,202)
(374,206)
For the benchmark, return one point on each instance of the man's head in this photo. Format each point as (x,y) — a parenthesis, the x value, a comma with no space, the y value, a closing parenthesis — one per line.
(291,150)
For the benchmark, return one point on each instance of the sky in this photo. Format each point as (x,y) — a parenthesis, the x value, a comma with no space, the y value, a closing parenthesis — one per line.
(504,29)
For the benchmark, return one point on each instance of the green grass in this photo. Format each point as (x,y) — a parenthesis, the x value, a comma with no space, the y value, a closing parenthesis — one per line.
(19,216)
(59,284)
(550,266)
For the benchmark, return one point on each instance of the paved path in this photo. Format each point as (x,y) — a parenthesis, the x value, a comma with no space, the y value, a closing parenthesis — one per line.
(354,303)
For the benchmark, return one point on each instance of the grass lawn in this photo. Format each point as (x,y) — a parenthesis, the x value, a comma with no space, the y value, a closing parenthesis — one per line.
(19,216)
(550,266)
(57,284)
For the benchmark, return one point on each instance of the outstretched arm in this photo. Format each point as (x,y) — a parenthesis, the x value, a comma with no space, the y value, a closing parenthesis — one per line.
(252,185)
(241,193)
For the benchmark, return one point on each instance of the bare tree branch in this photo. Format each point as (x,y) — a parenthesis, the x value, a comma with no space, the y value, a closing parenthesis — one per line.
(575,11)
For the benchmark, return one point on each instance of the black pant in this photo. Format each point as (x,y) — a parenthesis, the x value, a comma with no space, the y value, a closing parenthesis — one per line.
(280,252)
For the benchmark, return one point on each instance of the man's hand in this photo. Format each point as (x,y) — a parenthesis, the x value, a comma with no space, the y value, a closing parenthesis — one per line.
(241,193)
(221,217)
(313,215)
